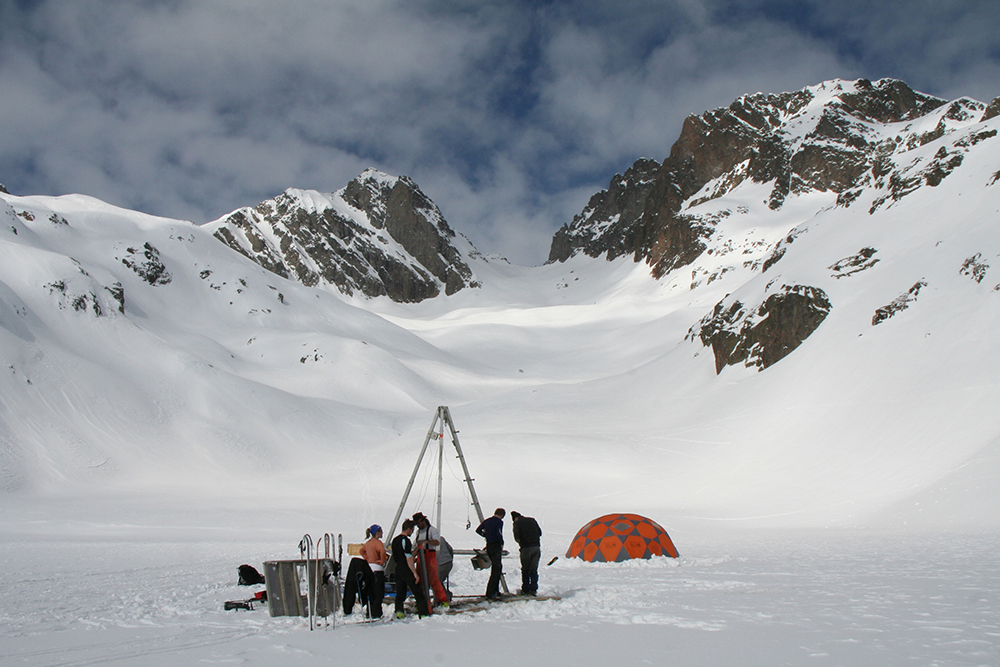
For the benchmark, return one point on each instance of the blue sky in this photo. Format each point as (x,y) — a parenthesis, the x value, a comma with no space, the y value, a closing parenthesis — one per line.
(509,115)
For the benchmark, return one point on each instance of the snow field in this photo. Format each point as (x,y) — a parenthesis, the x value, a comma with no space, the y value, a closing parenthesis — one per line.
(146,454)
(734,597)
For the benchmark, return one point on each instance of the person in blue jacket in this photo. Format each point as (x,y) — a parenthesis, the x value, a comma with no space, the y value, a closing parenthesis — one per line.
(492,530)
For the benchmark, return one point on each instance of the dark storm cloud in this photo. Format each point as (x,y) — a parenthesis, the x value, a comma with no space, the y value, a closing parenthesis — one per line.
(509,115)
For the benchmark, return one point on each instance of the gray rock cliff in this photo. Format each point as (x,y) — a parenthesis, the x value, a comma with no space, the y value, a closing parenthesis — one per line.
(378,236)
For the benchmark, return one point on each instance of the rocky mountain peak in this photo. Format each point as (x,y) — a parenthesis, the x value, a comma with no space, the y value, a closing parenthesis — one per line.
(386,198)
(838,142)
(992,109)
(885,101)
(380,236)
(819,138)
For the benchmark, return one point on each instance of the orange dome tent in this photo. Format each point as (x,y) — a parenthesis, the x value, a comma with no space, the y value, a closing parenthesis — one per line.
(616,537)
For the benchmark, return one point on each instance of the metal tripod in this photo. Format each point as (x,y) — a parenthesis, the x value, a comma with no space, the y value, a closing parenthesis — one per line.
(443,415)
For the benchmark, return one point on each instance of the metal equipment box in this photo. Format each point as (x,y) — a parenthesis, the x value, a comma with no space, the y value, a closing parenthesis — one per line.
(291,584)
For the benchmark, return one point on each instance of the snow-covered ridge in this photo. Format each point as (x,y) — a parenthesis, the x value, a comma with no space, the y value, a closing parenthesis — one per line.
(378,236)
(826,138)
(142,355)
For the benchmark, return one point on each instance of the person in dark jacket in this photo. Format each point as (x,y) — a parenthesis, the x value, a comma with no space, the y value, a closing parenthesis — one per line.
(528,534)
(492,530)
(406,572)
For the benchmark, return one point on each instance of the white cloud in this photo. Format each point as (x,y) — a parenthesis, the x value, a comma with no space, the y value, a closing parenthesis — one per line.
(507,115)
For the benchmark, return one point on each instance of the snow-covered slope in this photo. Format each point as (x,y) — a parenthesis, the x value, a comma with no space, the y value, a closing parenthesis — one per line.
(147,365)
(142,351)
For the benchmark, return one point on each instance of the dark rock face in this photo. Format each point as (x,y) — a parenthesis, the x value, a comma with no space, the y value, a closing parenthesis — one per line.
(380,236)
(414,222)
(975,267)
(887,101)
(899,304)
(754,138)
(992,109)
(862,261)
(715,143)
(147,265)
(622,205)
(766,334)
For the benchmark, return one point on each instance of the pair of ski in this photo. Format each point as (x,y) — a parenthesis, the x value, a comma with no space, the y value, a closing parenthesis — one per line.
(365,620)
(313,587)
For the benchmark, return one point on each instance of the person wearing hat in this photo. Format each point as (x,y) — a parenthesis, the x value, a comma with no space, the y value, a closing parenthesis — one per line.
(428,541)
(528,534)
(373,551)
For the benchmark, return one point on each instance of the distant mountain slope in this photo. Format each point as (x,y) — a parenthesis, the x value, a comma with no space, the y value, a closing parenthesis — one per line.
(855,140)
(378,236)
(132,344)
(809,339)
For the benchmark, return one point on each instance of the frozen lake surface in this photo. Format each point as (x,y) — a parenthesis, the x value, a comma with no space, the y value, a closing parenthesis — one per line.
(820,598)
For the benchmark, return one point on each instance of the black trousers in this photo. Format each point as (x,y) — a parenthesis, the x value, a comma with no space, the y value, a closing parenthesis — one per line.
(405,580)
(358,583)
(377,594)
(495,551)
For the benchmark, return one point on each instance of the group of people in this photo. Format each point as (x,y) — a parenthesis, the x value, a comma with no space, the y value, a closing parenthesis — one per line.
(420,554)
(528,535)
(419,562)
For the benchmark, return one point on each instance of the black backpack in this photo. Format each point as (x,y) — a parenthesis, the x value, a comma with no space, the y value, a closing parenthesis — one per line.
(250,576)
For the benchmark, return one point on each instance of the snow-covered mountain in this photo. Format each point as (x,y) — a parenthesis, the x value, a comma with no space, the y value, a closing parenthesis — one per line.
(791,320)
(836,137)
(863,142)
(380,235)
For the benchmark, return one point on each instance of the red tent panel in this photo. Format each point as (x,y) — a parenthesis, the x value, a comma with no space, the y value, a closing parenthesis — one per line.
(617,537)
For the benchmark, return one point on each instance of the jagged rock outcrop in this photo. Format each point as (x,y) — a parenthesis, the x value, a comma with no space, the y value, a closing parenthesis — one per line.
(992,109)
(619,210)
(146,263)
(899,304)
(820,138)
(763,335)
(862,261)
(379,236)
